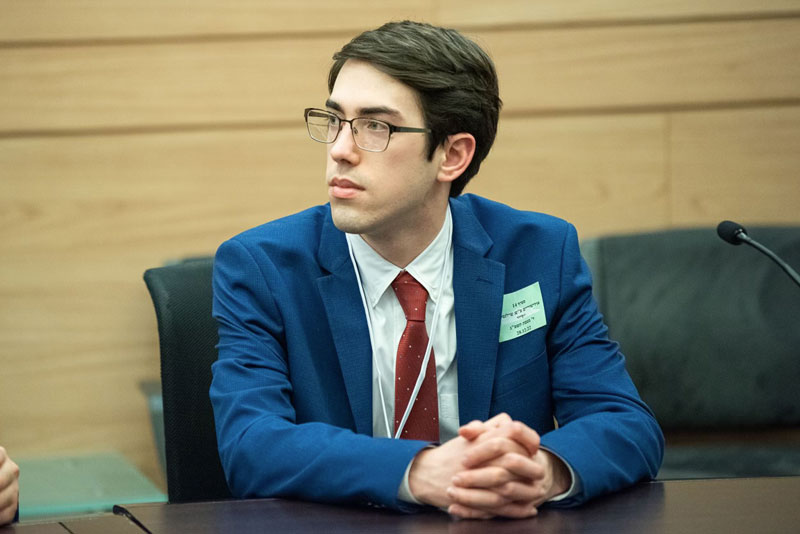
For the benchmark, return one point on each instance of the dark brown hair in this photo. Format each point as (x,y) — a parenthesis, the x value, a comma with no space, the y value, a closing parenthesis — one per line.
(454,78)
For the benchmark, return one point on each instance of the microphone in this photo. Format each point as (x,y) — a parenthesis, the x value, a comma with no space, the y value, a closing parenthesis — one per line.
(735,234)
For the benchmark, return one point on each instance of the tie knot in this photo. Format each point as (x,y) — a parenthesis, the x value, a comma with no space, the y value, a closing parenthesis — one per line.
(412,296)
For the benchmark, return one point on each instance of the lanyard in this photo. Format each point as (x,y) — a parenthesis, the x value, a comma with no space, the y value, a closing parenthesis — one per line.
(434,324)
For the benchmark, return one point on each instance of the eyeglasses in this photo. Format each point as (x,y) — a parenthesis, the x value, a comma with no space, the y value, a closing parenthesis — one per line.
(371,135)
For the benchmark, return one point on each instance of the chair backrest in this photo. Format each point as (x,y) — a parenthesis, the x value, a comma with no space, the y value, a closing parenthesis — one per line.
(187,335)
(711,331)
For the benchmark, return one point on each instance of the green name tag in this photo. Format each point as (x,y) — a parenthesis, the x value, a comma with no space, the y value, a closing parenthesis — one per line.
(523,312)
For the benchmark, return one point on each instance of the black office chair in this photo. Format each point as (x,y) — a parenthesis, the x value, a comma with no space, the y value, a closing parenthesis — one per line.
(187,335)
(711,336)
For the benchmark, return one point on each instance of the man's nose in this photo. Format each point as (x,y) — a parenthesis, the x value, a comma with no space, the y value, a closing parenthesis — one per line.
(345,144)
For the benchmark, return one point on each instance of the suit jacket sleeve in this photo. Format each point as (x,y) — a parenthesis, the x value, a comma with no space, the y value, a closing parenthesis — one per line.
(607,434)
(264,451)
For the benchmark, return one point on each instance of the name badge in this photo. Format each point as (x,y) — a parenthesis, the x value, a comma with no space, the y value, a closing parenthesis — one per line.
(523,312)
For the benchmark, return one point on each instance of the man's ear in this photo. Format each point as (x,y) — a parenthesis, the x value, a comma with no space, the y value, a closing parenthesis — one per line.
(456,154)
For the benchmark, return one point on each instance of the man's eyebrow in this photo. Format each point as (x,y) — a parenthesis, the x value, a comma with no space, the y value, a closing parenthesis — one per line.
(361,112)
(378,110)
(333,105)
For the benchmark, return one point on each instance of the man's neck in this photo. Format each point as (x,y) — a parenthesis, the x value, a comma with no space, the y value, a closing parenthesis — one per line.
(401,249)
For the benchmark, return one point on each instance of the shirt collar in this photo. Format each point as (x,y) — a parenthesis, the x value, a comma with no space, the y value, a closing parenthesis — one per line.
(377,273)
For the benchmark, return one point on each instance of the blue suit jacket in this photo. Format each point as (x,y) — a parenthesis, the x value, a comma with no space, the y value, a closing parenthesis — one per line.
(292,389)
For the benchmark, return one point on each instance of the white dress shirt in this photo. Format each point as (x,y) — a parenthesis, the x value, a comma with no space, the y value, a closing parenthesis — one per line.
(388,322)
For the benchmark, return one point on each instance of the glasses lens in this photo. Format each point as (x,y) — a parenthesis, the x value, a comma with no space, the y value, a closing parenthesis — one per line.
(371,134)
(322,126)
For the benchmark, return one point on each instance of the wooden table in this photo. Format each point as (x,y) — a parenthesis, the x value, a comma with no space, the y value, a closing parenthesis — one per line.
(725,506)
(95,524)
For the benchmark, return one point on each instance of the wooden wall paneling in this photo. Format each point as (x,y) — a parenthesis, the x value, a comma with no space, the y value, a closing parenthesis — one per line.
(604,174)
(74,355)
(48,20)
(264,81)
(152,192)
(477,13)
(646,67)
(172,85)
(32,20)
(742,165)
(81,218)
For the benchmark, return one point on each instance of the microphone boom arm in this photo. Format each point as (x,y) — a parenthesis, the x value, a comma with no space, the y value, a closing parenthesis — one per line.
(741,235)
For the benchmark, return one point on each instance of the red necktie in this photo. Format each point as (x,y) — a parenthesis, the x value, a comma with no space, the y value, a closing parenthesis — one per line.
(423,421)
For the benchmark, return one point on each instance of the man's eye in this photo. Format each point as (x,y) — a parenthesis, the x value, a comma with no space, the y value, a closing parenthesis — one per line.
(375,125)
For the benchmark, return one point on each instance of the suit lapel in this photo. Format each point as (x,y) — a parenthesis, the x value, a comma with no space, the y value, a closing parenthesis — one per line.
(478,284)
(345,312)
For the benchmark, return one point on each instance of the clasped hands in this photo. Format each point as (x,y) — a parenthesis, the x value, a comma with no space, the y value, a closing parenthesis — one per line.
(492,468)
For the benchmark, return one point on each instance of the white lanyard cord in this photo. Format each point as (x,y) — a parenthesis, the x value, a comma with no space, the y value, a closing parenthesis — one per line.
(434,324)
(369,328)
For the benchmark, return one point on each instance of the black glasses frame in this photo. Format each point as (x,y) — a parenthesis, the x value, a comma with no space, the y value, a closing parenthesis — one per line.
(392,128)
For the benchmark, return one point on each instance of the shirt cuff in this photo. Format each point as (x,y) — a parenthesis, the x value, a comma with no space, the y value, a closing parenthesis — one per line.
(575,486)
(404,491)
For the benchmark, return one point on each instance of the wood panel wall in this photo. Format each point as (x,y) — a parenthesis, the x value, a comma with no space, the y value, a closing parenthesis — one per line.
(133,132)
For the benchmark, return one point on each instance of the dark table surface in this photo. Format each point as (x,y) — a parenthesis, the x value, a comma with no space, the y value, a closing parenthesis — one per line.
(96,524)
(753,505)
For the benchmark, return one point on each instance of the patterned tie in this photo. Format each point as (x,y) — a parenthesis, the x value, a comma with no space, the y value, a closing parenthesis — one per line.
(423,421)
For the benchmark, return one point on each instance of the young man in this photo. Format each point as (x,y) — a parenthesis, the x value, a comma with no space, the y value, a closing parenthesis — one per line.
(402,293)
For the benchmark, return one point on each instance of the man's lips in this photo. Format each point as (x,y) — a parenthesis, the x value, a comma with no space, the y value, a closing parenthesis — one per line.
(343,188)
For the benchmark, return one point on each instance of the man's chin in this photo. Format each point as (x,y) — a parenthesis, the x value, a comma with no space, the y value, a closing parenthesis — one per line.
(347,221)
